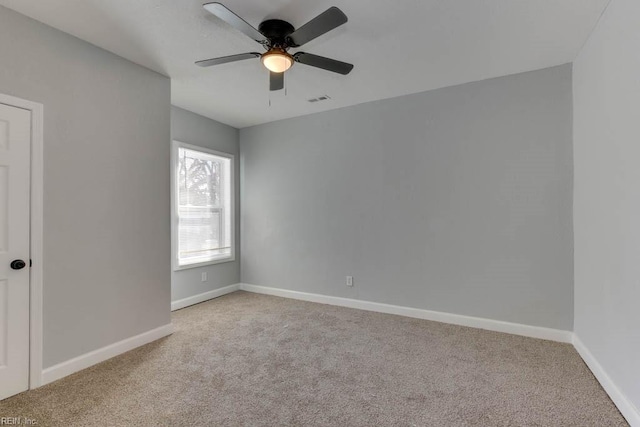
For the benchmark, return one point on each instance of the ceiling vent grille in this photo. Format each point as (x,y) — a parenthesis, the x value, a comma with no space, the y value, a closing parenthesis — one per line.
(320,98)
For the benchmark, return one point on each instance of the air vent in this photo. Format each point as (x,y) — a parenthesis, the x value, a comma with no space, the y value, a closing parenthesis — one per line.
(320,98)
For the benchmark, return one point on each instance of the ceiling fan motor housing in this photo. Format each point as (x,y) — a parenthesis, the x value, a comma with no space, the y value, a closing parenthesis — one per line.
(277,31)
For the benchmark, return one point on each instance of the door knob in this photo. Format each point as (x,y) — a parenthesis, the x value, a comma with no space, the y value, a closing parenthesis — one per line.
(18,264)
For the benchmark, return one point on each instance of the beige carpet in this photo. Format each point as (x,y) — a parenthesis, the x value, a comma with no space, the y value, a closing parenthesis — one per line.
(254,360)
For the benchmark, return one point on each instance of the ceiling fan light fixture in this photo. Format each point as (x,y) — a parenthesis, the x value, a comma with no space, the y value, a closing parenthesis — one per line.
(277,60)
(278,36)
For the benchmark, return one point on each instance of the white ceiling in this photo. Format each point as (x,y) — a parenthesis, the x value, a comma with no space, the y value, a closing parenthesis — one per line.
(399,47)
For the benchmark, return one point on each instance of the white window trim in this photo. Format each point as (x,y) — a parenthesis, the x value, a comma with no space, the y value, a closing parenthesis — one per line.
(176,145)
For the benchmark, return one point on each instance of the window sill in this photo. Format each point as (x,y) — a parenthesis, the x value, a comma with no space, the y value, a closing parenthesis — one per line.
(204,264)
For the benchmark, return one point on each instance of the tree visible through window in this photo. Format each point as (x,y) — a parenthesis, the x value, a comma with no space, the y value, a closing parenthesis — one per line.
(204,210)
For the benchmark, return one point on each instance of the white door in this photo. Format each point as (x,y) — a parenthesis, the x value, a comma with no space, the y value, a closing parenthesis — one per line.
(15,159)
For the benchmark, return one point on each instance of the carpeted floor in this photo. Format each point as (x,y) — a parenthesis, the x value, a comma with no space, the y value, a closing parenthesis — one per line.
(255,360)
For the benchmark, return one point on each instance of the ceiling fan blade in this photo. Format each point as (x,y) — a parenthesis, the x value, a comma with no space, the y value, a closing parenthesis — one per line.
(235,21)
(324,63)
(225,59)
(321,24)
(276,81)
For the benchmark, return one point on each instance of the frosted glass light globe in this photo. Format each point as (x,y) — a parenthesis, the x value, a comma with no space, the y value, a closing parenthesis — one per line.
(277,60)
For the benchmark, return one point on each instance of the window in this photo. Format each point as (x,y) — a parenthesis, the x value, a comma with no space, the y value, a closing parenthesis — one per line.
(203,206)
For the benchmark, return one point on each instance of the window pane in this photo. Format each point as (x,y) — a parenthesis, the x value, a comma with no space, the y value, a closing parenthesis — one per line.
(204,207)
(200,179)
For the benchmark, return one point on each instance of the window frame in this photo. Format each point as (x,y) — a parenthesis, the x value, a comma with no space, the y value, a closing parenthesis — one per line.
(175,229)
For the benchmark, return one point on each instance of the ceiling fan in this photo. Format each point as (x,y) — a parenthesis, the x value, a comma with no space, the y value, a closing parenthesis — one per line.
(277,37)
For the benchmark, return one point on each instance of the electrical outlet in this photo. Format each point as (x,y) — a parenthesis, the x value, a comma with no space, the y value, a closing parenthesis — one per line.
(350,281)
(204,276)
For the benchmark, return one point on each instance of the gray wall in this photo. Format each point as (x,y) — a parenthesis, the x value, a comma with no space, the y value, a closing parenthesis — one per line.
(607,196)
(106,202)
(194,129)
(455,200)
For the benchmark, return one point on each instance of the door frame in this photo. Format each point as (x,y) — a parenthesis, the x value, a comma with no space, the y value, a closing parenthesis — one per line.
(36,234)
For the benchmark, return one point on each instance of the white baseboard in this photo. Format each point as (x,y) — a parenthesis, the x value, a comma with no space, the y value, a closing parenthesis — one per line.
(455,319)
(205,296)
(626,407)
(89,359)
